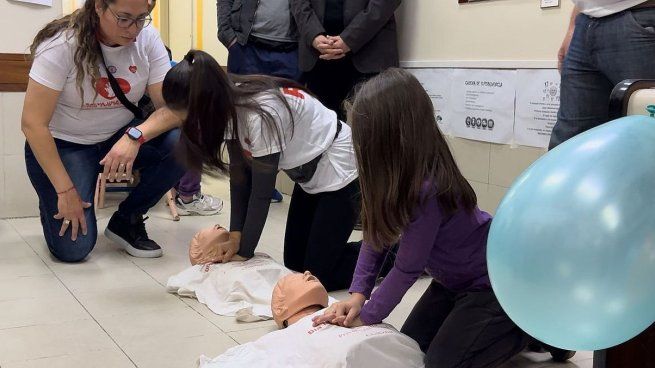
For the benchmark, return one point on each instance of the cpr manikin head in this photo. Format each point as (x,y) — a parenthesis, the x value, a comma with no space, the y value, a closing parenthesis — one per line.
(204,245)
(296,296)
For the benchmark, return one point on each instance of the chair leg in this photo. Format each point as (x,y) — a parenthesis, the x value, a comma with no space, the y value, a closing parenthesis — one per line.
(103,186)
(97,194)
(170,201)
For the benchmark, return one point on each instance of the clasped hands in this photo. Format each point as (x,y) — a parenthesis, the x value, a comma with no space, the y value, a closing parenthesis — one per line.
(330,47)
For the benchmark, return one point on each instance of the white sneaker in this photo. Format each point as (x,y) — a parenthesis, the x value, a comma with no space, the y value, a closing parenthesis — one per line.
(202,204)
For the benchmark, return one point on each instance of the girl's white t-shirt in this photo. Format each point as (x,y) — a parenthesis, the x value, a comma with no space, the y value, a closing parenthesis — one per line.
(311,134)
(97,115)
(602,8)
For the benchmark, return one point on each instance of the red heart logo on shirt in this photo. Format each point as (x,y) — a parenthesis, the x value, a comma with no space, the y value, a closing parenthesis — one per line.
(133,68)
(103,87)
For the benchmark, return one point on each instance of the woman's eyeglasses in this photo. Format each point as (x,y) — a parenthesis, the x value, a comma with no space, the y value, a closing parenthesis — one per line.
(126,22)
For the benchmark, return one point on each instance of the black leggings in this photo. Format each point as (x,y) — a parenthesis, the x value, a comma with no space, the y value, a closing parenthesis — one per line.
(463,330)
(317,232)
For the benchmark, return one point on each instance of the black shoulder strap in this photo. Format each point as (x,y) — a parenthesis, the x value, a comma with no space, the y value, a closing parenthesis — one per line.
(138,113)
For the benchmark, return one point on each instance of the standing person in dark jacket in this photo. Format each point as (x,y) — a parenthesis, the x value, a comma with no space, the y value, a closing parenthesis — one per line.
(343,43)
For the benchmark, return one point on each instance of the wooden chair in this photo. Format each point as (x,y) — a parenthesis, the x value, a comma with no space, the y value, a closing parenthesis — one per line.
(631,97)
(126,185)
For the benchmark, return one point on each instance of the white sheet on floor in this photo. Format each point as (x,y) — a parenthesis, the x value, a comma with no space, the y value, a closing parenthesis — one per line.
(301,345)
(239,289)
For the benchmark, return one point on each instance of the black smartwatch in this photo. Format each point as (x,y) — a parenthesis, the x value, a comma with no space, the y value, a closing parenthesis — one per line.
(135,134)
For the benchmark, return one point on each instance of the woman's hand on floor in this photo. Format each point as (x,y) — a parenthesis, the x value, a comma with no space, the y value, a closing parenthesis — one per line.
(344,314)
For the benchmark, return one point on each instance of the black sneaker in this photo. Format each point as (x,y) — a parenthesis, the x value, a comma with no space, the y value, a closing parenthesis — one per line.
(559,355)
(130,233)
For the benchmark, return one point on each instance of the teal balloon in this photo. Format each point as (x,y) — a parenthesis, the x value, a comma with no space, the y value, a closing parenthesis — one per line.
(571,250)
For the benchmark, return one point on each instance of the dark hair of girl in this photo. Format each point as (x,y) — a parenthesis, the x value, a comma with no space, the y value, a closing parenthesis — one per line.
(199,86)
(399,149)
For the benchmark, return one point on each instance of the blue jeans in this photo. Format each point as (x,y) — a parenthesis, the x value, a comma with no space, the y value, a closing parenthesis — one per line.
(159,171)
(251,59)
(603,52)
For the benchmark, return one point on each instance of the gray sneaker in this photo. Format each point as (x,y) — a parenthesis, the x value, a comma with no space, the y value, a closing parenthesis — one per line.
(202,204)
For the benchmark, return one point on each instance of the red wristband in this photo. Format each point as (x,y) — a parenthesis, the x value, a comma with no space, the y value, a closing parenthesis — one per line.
(66,191)
(141,139)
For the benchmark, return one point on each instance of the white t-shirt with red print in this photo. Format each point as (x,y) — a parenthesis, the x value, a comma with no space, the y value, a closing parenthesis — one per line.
(312,133)
(95,117)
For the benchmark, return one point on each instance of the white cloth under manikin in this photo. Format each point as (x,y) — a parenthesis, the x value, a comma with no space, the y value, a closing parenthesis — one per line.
(301,345)
(239,289)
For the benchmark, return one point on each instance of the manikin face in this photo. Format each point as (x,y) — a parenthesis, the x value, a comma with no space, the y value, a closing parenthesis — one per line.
(204,245)
(296,296)
(122,20)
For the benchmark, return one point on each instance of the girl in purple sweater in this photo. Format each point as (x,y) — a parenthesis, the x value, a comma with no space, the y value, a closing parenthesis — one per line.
(413,193)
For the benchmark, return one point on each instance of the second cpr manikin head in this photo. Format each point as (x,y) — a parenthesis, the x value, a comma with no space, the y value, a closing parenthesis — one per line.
(203,248)
(296,296)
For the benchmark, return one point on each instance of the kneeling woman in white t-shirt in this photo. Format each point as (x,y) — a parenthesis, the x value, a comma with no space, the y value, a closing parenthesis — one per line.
(279,126)
(74,123)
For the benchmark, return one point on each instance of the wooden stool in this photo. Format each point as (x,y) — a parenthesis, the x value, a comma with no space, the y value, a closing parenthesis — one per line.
(127,185)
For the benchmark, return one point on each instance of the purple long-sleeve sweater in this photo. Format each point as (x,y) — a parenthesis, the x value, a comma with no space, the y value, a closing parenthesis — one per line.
(452,250)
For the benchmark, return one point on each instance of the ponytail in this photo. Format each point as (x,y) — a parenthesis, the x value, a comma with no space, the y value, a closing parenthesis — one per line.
(199,86)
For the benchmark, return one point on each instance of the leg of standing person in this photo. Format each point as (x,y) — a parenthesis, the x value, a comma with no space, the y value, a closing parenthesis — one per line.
(81,163)
(329,81)
(282,64)
(591,67)
(584,90)
(333,82)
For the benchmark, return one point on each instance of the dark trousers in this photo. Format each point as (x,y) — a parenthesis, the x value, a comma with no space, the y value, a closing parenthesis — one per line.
(252,59)
(463,330)
(317,232)
(189,184)
(159,171)
(603,52)
(332,81)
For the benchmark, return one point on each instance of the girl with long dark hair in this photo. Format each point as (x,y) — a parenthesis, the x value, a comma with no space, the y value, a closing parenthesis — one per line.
(413,193)
(267,124)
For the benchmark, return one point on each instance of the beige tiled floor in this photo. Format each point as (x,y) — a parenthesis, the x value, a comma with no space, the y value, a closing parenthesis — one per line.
(113,311)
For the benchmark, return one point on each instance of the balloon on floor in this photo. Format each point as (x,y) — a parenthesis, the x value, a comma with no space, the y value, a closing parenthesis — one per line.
(571,250)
